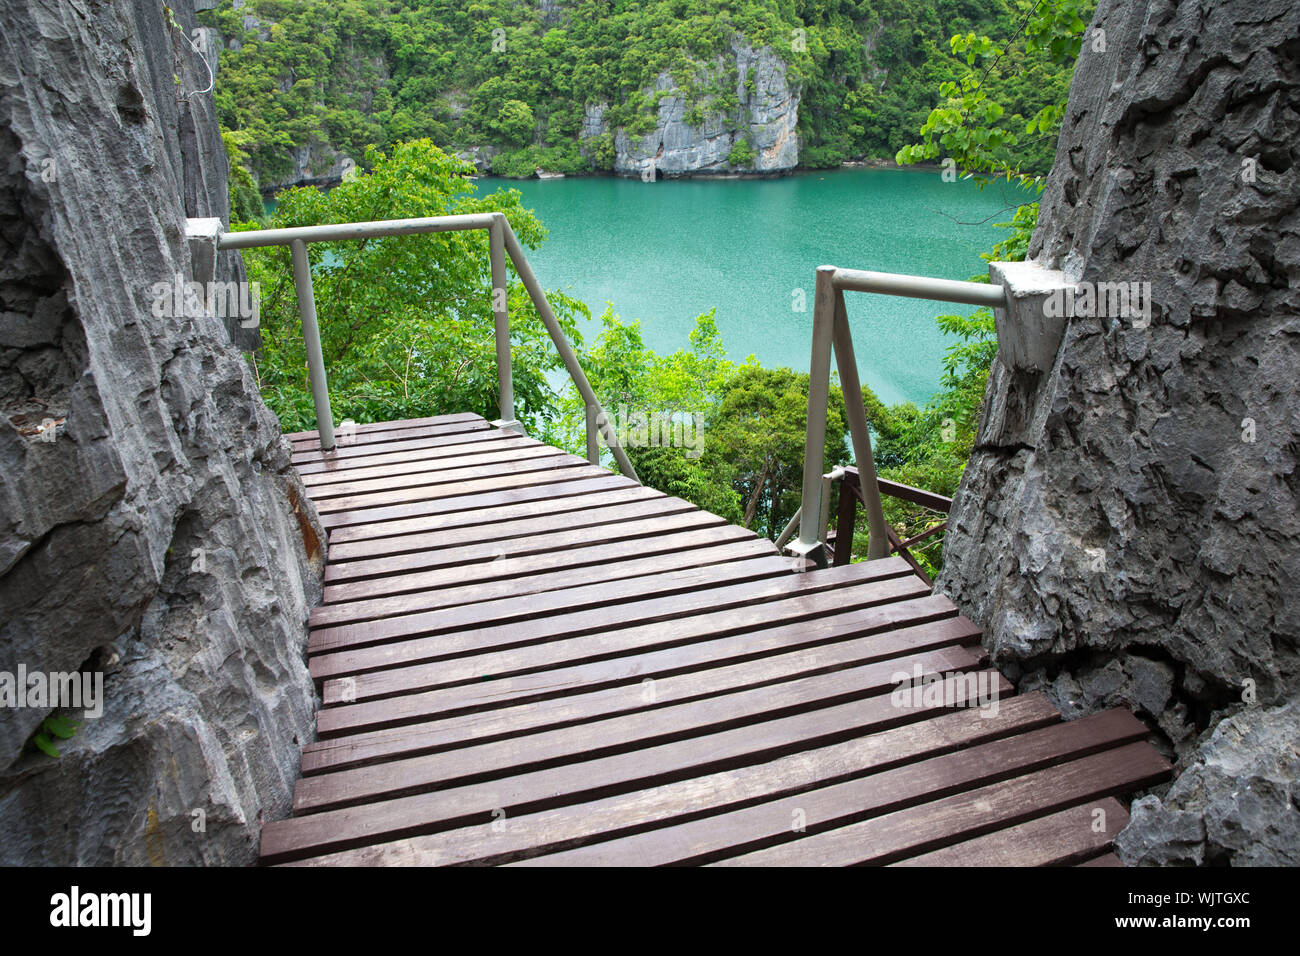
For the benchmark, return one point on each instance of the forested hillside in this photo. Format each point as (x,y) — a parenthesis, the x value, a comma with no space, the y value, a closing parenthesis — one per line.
(306,83)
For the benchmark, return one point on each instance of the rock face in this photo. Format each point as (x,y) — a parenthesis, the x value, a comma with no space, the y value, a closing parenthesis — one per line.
(1234,803)
(313,164)
(480,157)
(1127,529)
(157,535)
(769,116)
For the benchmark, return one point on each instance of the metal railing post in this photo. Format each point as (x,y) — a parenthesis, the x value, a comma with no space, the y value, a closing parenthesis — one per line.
(320,394)
(501,324)
(819,384)
(535,291)
(846,362)
(788,531)
(593,434)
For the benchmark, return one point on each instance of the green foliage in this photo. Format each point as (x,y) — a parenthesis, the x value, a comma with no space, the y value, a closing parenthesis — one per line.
(742,154)
(522,163)
(55,726)
(757,441)
(245,200)
(514,123)
(406,321)
(748,465)
(984,117)
(492,72)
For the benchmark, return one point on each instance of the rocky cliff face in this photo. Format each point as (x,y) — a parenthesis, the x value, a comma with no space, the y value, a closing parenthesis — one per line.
(151,528)
(768,118)
(1127,529)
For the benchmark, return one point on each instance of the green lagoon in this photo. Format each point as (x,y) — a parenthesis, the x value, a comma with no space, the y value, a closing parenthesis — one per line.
(663,252)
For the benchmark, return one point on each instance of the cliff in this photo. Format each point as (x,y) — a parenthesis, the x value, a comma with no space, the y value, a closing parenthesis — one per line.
(1127,529)
(766,122)
(152,531)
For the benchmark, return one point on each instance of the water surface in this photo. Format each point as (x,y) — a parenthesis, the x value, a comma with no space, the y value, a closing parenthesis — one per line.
(666,251)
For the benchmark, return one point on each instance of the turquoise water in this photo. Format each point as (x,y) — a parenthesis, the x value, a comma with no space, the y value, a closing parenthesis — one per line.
(666,251)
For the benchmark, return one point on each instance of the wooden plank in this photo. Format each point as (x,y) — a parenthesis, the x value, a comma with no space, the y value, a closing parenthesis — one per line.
(477,502)
(1063,838)
(627,813)
(532,607)
(846,513)
(1106,859)
(452,806)
(395,481)
(535,571)
(582,611)
(440,549)
(432,735)
(966,815)
(768,617)
(439,589)
(310,449)
(378,439)
(366,428)
(804,820)
(642,730)
(393,535)
(548,471)
(341,456)
(492,692)
(657,649)
(475,445)
(917,496)
(410,465)
(443,550)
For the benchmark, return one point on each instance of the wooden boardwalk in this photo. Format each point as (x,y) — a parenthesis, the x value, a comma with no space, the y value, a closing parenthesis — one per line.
(527,659)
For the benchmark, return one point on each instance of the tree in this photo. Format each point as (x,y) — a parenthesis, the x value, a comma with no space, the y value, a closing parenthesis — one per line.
(514,123)
(742,154)
(757,442)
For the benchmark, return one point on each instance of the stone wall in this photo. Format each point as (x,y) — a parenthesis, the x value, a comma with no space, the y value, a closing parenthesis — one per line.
(1127,529)
(151,528)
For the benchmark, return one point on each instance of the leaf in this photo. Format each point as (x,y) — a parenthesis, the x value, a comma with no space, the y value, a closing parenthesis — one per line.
(44,744)
(60,726)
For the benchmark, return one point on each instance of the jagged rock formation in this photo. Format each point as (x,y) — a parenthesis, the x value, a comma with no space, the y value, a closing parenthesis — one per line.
(769,116)
(312,164)
(1127,528)
(1235,801)
(159,536)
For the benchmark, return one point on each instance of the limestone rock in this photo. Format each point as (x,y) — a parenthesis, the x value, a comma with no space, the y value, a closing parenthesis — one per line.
(161,537)
(1138,498)
(480,157)
(1142,492)
(1236,801)
(768,118)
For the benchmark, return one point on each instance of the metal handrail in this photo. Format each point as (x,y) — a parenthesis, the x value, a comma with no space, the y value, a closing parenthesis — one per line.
(501,242)
(831,328)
